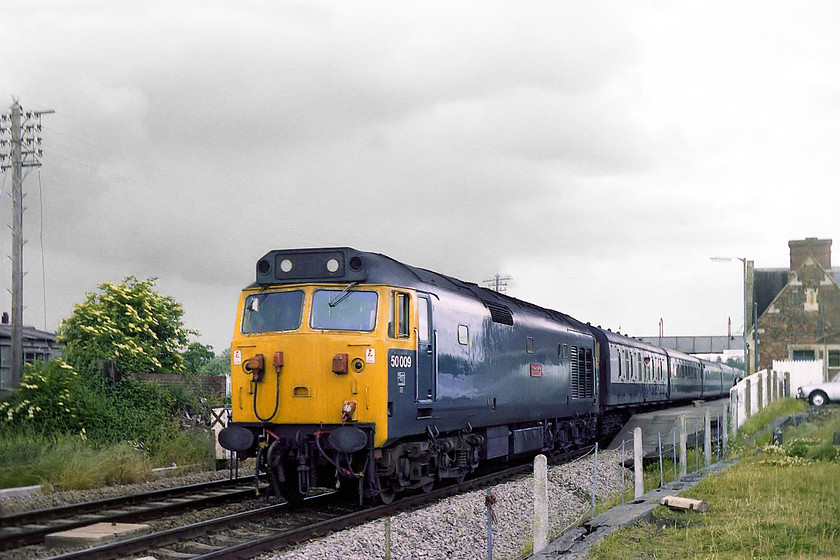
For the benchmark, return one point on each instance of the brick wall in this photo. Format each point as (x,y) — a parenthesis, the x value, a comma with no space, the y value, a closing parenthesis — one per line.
(214,384)
(805,315)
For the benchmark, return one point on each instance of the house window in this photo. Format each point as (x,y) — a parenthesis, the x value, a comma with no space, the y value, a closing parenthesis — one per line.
(834,358)
(802,355)
(811,303)
(32,357)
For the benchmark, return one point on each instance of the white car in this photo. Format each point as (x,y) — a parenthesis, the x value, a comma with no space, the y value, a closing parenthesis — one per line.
(821,393)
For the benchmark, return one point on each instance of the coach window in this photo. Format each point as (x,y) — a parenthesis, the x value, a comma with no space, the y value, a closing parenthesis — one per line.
(627,370)
(618,361)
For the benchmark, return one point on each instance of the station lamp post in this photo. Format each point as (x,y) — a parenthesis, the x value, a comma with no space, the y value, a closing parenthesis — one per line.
(745,262)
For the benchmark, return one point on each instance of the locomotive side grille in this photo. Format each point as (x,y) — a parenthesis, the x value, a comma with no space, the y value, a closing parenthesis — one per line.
(499,313)
(582,369)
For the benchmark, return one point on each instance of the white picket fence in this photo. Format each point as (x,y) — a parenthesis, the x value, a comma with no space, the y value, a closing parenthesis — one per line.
(755,392)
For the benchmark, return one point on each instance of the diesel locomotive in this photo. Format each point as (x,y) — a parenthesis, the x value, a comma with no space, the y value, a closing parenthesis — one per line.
(350,369)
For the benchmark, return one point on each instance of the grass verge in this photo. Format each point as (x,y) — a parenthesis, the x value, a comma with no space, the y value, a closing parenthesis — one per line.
(776,502)
(71,463)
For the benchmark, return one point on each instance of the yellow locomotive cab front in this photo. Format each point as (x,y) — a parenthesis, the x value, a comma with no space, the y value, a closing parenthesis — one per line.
(312,355)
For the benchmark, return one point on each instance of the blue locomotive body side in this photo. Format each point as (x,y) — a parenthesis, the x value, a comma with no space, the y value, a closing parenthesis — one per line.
(509,369)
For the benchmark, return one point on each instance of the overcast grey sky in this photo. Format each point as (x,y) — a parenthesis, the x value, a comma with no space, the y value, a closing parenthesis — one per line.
(597,152)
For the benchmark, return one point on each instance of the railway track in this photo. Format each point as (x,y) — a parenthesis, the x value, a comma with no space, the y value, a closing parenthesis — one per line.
(275,527)
(31,527)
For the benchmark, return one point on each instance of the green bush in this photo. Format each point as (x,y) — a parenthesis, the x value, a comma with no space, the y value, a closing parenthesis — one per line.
(51,399)
(56,401)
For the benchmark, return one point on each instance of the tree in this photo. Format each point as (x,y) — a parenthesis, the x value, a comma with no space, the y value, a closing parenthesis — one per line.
(220,365)
(735,363)
(130,323)
(197,356)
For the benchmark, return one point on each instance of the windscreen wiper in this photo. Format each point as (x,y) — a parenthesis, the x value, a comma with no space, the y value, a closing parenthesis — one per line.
(342,296)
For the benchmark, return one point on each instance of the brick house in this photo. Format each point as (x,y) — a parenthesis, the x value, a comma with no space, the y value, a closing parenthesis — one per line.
(799,308)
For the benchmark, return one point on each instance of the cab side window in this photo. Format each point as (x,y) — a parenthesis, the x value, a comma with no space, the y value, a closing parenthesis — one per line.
(422,319)
(399,325)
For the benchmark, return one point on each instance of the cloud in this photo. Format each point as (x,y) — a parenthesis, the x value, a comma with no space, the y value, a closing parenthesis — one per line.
(596,152)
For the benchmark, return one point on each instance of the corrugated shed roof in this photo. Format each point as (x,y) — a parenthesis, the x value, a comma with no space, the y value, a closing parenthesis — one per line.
(30,333)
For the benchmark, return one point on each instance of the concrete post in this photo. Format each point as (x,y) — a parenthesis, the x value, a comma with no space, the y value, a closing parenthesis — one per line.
(683,447)
(726,426)
(540,503)
(707,438)
(736,406)
(387,538)
(760,391)
(787,384)
(638,460)
(747,398)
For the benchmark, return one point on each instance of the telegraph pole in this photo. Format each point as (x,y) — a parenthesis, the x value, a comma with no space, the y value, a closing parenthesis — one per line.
(25,128)
(498,283)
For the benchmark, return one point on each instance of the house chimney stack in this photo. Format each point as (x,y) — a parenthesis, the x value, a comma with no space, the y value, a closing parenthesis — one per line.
(820,249)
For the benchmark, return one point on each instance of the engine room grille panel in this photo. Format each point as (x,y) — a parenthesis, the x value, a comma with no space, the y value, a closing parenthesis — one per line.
(499,313)
(582,373)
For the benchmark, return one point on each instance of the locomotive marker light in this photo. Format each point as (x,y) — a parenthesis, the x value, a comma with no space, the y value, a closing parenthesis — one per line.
(339,363)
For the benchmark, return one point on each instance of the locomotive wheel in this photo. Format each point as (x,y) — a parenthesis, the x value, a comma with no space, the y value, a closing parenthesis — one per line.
(426,488)
(289,487)
(387,496)
(290,493)
(386,493)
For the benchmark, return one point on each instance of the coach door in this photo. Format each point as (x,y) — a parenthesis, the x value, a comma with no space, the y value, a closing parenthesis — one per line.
(426,351)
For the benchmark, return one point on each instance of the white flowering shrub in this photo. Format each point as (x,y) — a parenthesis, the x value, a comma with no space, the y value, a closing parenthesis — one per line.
(129,323)
(50,398)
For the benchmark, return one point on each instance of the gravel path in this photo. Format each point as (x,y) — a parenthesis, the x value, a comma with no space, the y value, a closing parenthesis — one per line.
(456,527)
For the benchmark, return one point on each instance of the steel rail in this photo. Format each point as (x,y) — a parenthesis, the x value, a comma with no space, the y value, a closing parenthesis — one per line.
(272,537)
(30,527)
